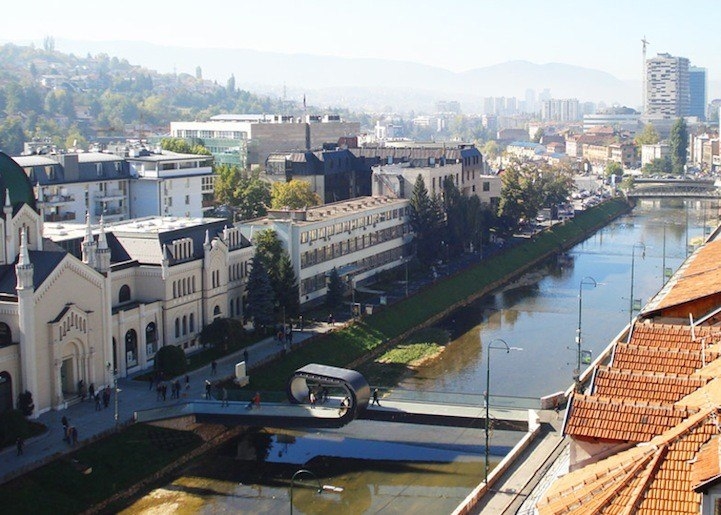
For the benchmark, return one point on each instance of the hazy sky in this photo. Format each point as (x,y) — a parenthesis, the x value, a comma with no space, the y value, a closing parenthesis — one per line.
(453,34)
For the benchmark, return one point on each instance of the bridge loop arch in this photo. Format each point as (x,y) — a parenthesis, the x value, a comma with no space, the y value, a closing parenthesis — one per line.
(352,381)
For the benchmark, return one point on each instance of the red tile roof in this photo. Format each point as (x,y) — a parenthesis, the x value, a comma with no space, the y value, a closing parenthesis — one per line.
(659,359)
(644,386)
(700,278)
(650,478)
(593,417)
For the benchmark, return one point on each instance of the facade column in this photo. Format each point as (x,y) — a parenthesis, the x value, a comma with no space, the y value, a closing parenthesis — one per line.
(57,385)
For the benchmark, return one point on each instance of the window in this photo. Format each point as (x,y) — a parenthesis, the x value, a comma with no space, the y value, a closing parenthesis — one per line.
(177,328)
(124,295)
(6,336)
(486,186)
(131,348)
(185,325)
(191,323)
(216,312)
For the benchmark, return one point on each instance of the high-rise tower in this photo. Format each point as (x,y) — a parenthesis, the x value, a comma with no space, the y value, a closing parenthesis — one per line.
(667,87)
(697,88)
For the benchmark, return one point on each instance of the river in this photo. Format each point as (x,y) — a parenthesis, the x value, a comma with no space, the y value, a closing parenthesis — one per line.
(539,313)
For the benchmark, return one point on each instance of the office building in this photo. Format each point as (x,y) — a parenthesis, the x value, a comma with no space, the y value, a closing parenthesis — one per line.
(697,92)
(667,87)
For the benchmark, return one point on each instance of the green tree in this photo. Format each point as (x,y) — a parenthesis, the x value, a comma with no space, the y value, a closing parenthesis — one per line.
(170,359)
(288,294)
(294,194)
(12,136)
(334,295)
(520,199)
(261,299)
(658,166)
(614,168)
(679,145)
(425,219)
(226,183)
(539,135)
(230,85)
(648,136)
(491,150)
(251,196)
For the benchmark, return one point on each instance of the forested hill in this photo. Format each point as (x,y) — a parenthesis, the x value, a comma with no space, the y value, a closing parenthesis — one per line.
(45,94)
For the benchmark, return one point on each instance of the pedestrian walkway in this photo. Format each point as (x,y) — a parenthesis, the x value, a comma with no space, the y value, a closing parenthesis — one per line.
(132,396)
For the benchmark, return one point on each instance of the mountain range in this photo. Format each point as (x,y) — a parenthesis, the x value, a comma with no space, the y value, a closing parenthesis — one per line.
(369,84)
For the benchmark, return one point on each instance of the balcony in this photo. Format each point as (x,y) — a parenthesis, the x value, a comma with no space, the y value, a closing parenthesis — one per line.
(109,196)
(59,217)
(57,200)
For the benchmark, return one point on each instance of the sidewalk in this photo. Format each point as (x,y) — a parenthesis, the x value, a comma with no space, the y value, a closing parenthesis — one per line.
(133,396)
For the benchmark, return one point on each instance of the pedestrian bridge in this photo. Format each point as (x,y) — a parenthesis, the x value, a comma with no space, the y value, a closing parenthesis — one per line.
(399,406)
(681,188)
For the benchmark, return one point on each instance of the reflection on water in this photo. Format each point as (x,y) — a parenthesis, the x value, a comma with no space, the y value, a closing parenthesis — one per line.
(253,474)
(539,313)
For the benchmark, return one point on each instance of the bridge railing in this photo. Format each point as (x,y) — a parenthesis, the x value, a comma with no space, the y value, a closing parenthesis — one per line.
(460,399)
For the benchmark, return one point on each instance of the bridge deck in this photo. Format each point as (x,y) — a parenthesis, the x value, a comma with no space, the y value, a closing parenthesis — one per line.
(283,415)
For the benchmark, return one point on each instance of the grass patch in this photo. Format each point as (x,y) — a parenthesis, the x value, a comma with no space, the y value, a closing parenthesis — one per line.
(117,462)
(341,347)
(392,366)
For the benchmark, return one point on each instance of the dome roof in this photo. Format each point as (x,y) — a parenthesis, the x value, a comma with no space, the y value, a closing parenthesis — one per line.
(14,180)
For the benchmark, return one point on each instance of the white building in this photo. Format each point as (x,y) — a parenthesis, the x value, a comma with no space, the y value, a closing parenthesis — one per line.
(656,151)
(80,302)
(170,184)
(359,238)
(620,122)
(261,134)
(667,87)
(560,110)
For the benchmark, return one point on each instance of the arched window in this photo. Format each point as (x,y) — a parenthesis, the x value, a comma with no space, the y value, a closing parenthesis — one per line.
(192,323)
(124,295)
(216,312)
(232,305)
(175,289)
(185,325)
(151,333)
(6,336)
(131,348)
(177,328)
(6,392)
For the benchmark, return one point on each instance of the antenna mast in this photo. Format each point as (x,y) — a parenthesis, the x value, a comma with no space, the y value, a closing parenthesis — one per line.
(645,43)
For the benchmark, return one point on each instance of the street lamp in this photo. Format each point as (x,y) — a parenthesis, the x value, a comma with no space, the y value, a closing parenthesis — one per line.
(115,387)
(588,280)
(297,473)
(488,386)
(633,265)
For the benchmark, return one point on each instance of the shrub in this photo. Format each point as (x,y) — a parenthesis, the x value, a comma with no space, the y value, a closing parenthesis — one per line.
(25,403)
(170,360)
(222,331)
(12,425)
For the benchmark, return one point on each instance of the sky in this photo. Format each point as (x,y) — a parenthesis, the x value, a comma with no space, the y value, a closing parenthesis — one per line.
(457,35)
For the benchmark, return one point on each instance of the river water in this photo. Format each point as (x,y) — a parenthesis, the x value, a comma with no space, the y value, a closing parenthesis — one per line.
(415,472)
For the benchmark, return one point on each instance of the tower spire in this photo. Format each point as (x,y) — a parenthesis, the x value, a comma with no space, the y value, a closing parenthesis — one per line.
(644,93)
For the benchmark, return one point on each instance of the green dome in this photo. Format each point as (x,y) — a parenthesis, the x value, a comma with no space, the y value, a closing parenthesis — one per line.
(14,180)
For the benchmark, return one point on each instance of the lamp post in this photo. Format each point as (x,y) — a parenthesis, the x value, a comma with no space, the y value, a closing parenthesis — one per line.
(116,390)
(331,488)
(488,388)
(633,265)
(588,280)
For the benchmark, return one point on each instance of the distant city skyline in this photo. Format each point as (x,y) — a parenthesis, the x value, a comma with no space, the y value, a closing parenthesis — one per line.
(457,35)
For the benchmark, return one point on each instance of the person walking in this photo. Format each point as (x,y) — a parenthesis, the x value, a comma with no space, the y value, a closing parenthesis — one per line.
(106,396)
(65,423)
(208,387)
(245,358)
(91,392)
(73,436)
(98,402)
(19,444)
(256,400)
(224,403)
(312,399)
(375,397)
(213,367)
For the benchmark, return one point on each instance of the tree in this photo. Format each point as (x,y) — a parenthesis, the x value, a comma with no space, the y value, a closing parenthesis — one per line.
(539,135)
(294,194)
(171,361)
(679,146)
(334,295)
(425,219)
(520,199)
(658,166)
(251,196)
(648,136)
(261,299)
(491,150)
(226,183)
(12,136)
(287,293)
(230,86)
(198,73)
(614,168)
